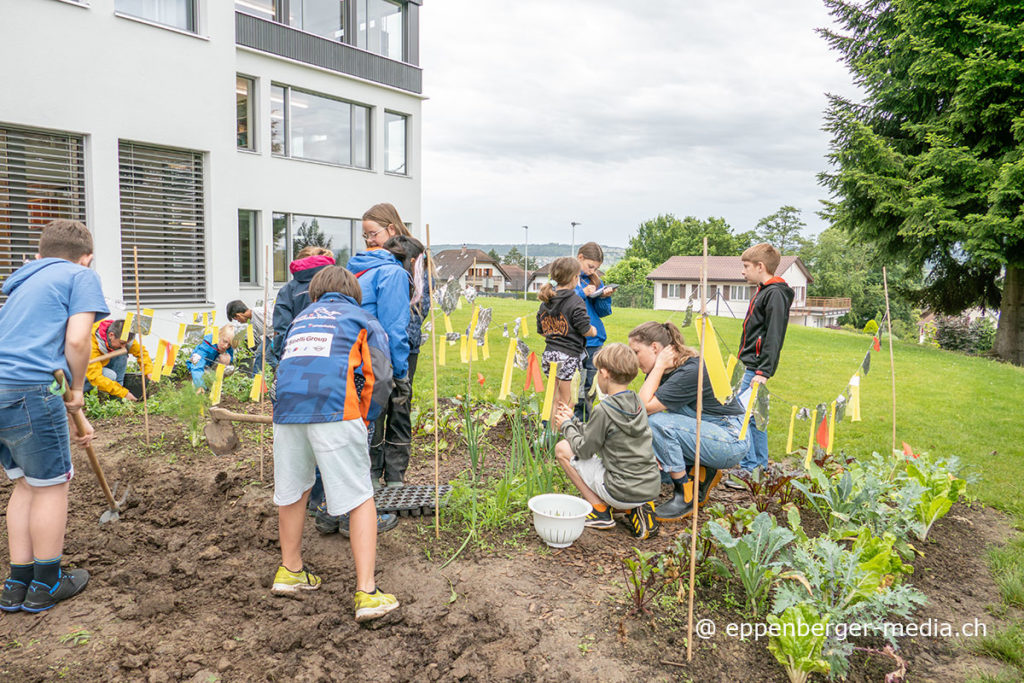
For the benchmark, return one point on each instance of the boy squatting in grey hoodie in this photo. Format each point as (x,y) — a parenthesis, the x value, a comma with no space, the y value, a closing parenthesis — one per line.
(619,433)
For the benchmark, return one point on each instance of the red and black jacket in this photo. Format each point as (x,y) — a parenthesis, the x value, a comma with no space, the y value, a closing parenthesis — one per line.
(764,328)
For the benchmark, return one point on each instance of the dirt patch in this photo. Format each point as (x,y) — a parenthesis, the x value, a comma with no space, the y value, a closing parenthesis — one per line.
(180,591)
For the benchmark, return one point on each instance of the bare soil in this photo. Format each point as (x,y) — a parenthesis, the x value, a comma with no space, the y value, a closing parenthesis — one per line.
(180,591)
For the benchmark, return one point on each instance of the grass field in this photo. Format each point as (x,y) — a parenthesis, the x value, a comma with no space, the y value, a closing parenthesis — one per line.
(947,403)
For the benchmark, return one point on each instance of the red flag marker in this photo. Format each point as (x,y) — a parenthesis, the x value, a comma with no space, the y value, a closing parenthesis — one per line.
(876,346)
(823,432)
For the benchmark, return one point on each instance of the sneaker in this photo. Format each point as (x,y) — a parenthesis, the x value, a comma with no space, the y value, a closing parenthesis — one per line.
(642,522)
(13,595)
(325,523)
(286,582)
(374,605)
(600,520)
(386,521)
(395,484)
(41,597)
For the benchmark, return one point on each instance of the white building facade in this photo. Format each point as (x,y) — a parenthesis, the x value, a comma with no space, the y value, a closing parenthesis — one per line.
(203,132)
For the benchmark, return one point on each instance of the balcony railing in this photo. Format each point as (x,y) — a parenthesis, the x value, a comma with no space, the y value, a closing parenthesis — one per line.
(826,303)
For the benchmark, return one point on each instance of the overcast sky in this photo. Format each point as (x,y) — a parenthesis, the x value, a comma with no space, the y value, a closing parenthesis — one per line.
(607,113)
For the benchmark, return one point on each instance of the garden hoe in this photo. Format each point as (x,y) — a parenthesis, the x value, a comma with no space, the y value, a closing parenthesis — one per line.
(220,432)
(113,511)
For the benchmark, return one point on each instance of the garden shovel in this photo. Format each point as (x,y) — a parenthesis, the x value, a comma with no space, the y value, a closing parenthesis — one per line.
(113,511)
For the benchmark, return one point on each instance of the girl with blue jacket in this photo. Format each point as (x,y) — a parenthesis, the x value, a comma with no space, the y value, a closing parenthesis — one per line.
(385,288)
(591,256)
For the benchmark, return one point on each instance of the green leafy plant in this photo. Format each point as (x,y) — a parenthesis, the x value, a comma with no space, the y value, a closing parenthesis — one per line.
(189,407)
(941,488)
(797,638)
(878,559)
(642,576)
(755,556)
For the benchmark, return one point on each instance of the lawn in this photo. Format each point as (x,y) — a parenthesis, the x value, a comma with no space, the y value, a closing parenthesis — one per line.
(947,403)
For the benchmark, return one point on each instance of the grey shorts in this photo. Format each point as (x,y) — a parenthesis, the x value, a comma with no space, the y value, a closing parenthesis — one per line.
(339,449)
(592,472)
(567,365)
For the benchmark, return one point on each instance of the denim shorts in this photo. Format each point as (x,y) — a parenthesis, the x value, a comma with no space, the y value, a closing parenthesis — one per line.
(34,438)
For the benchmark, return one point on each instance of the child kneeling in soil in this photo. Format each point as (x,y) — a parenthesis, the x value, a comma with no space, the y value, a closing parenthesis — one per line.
(625,476)
(320,420)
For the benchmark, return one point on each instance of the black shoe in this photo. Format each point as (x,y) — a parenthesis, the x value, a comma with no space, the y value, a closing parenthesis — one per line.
(680,506)
(386,521)
(325,523)
(41,597)
(600,520)
(13,595)
(709,478)
(641,521)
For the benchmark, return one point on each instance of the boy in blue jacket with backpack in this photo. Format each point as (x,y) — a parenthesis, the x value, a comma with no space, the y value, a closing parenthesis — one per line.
(207,354)
(334,377)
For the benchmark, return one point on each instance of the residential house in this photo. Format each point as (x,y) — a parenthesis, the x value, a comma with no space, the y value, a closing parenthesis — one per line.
(728,294)
(120,113)
(471,267)
(515,277)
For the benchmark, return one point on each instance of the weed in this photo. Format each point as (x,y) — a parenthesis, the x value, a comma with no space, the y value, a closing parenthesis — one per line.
(642,580)
(1006,645)
(77,637)
(585,644)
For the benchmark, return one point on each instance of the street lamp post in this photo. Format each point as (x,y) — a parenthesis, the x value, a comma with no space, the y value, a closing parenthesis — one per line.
(526,261)
(572,249)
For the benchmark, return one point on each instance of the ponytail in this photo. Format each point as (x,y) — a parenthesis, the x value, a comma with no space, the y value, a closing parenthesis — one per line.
(547,292)
(666,334)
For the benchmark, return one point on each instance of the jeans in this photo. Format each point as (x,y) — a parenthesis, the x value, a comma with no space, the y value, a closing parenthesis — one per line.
(114,369)
(675,440)
(757,455)
(257,357)
(389,449)
(585,404)
(34,439)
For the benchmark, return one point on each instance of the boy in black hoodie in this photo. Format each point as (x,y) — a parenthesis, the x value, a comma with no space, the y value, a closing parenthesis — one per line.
(625,476)
(764,330)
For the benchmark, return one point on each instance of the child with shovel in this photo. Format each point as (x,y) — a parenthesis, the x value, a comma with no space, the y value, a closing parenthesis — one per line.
(45,324)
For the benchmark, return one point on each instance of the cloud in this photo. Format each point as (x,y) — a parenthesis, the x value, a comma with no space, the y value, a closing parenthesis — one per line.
(610,113)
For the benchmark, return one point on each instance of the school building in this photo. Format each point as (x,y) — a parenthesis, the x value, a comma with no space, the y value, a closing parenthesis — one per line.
(677,280)
(203,133)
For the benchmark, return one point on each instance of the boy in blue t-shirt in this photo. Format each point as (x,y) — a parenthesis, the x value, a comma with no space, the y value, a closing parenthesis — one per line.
(334,378)
(45,325)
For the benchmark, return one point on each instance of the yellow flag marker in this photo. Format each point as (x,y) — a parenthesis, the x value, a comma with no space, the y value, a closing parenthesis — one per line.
(250,341)
(172,356)
(549,394)
(181,333)
(486,347)
(831,428)
(148,312)
(506,375)
(448,324)
(215,335)
(458,304)
(206,320)
(714,365)
(128,317)
(218,383)
(257,387)
(730,367)
(792,424)
(196,317)
(810,439)
(441,354)
(855,398)
(463,351)
(750,403)
(158,361)
(525,327)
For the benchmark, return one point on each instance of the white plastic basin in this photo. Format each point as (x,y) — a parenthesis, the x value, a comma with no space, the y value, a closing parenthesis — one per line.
(559,518)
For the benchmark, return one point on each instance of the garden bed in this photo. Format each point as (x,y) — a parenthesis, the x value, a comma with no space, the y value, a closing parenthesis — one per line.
(180,590)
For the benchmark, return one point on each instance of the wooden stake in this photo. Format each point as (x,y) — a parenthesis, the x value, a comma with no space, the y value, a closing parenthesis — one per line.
(433,359)
(695,480)
(892,361)
(263,366)
(142,365)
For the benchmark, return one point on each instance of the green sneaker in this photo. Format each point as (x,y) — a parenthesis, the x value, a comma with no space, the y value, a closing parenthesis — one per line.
(374,605)
(287,582)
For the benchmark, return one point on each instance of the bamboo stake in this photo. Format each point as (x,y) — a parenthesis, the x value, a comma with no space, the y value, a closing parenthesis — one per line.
(695,480)
(142,365)
(892,361)
(433,359)
(263,337)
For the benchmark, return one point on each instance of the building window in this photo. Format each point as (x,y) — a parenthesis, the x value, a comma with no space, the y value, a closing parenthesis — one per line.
(293,232)
(304,125)
(244,128)
(175,13)
(739,292)
(381,28)
(674,290)
(264,9)
(323,17)
(163,215)
(248,247)
(42,177)
(395,131)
